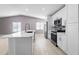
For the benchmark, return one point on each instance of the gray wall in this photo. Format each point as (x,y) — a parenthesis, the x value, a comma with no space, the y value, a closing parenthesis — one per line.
(6,23)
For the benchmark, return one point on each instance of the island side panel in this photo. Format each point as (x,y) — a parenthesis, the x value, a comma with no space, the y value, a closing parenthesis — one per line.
(11,46)
(20,46)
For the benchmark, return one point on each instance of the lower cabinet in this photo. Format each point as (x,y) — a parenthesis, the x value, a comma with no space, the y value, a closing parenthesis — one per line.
(61,41)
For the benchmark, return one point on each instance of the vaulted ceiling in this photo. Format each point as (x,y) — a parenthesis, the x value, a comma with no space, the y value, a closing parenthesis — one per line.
(34,10)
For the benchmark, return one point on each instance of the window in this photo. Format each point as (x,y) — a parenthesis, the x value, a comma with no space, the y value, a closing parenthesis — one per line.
(39,26)
(16,26)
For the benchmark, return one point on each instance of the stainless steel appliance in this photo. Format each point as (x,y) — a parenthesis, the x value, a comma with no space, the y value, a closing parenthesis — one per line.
(55,28)
(54,37)
(46,30)
(58,22)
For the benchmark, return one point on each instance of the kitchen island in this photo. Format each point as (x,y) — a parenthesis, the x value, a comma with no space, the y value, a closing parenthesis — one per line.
(20,43)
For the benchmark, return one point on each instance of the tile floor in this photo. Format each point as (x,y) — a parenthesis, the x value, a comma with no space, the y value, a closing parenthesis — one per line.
(42,46)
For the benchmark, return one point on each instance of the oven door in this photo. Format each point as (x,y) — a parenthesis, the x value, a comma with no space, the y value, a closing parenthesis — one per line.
(54,37)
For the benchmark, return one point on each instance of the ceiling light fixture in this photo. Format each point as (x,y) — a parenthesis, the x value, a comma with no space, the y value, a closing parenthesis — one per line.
(26,9)
(43,9)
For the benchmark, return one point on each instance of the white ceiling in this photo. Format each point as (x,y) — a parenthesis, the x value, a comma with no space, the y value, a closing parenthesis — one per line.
(34,10)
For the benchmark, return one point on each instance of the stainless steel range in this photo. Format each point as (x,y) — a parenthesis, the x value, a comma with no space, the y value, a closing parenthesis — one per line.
(54,37)
(57,24)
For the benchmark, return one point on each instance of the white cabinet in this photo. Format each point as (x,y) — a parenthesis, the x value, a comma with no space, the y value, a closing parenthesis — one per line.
(69,41)
(72,36)
(50,24)
(62,41)
(49,34)
(72,13)
(72,29)
(61,14)
(59,40)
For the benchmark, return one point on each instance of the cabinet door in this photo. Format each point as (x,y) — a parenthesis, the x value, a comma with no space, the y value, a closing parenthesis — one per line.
(72,36)
(64,43)
(49,34)
(59,41)
(72,13)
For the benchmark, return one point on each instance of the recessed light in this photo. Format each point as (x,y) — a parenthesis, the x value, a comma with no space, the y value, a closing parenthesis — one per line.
(43,9)
(26,9)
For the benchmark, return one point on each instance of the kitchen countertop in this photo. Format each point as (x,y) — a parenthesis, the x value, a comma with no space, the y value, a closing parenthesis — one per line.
(61,30)
(19,34)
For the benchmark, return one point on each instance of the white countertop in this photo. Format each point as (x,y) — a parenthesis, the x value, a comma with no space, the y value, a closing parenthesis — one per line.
(19,34)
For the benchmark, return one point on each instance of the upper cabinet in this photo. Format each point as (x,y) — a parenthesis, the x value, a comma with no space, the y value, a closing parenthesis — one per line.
(61,14)
(50,23)
(72,14)
(69,15)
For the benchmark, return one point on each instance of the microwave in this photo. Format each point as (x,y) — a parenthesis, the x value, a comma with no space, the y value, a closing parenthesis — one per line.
(58,22)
